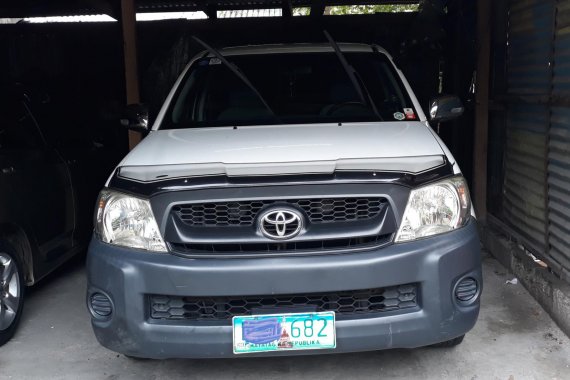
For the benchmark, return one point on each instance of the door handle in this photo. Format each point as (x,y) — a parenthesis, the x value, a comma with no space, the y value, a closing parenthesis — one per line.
(8,170)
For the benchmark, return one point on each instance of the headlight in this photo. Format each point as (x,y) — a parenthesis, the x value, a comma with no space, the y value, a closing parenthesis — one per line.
(435,209)
(127,221)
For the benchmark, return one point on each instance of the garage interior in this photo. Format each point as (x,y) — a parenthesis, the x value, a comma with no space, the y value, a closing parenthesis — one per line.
(508,60)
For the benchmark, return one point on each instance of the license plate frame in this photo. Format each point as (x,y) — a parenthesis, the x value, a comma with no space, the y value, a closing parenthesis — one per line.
(283,332)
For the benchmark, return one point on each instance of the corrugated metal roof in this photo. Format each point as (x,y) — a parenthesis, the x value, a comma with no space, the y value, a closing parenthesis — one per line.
(162,5)
(36,8)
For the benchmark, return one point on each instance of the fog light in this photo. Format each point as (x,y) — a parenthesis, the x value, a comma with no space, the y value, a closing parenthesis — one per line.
(466,289)
(100,305)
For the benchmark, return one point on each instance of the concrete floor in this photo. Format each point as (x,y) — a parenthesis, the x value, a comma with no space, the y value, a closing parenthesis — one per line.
(513,339)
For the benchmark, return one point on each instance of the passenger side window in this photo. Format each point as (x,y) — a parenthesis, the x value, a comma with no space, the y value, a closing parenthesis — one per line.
(18,131)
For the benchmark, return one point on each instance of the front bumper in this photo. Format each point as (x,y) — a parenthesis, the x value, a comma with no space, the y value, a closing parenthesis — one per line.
(127,276)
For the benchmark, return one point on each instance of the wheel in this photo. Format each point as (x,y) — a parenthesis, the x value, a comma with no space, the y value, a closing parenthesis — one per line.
(11,292)
(449,343)
(136,358)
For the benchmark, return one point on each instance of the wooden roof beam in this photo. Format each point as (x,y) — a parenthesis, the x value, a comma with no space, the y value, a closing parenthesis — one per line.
(211,10)
(317,8)
(108,7)
(287,8)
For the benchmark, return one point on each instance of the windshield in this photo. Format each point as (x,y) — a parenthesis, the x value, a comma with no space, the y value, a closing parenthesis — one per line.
(297,87)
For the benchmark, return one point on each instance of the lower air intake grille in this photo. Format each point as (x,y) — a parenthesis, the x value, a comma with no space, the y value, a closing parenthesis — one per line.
(281,247)
(344,304)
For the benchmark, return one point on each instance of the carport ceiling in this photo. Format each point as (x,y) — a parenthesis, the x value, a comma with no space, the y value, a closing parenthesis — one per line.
(40,8)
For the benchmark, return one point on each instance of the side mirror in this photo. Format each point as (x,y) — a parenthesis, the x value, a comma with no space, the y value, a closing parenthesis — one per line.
(135,118)
(445,108)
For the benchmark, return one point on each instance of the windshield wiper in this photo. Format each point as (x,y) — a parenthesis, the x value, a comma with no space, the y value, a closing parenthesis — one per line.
(354,77)
(234,69)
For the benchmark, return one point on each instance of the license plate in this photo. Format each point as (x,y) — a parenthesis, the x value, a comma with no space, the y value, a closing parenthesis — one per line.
(284,332)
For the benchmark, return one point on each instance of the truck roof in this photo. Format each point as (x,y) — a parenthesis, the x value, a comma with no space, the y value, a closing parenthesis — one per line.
(298,48)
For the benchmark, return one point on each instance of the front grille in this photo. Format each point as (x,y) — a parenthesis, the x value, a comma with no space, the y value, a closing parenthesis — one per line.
(243,213)
(344,304)
(281,247)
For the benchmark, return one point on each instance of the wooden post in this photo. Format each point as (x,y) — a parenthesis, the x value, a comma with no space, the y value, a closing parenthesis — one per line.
(128,21)
(482,108)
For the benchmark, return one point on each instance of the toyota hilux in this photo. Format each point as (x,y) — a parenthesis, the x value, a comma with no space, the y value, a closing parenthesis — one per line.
(288,199)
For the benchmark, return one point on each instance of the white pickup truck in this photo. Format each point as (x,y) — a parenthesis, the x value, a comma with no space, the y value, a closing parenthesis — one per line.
(288,199)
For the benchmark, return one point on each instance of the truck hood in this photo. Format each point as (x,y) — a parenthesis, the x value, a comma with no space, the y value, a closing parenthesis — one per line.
(290,149)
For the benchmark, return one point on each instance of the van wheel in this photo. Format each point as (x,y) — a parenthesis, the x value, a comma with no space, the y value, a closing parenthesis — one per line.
(11,291)
(449,343)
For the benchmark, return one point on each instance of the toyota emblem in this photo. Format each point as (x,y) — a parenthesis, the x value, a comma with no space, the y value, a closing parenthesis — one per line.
(280,224)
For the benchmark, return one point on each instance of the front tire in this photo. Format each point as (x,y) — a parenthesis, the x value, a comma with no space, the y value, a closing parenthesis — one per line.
(449,343)
(135,358)
(11,291)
